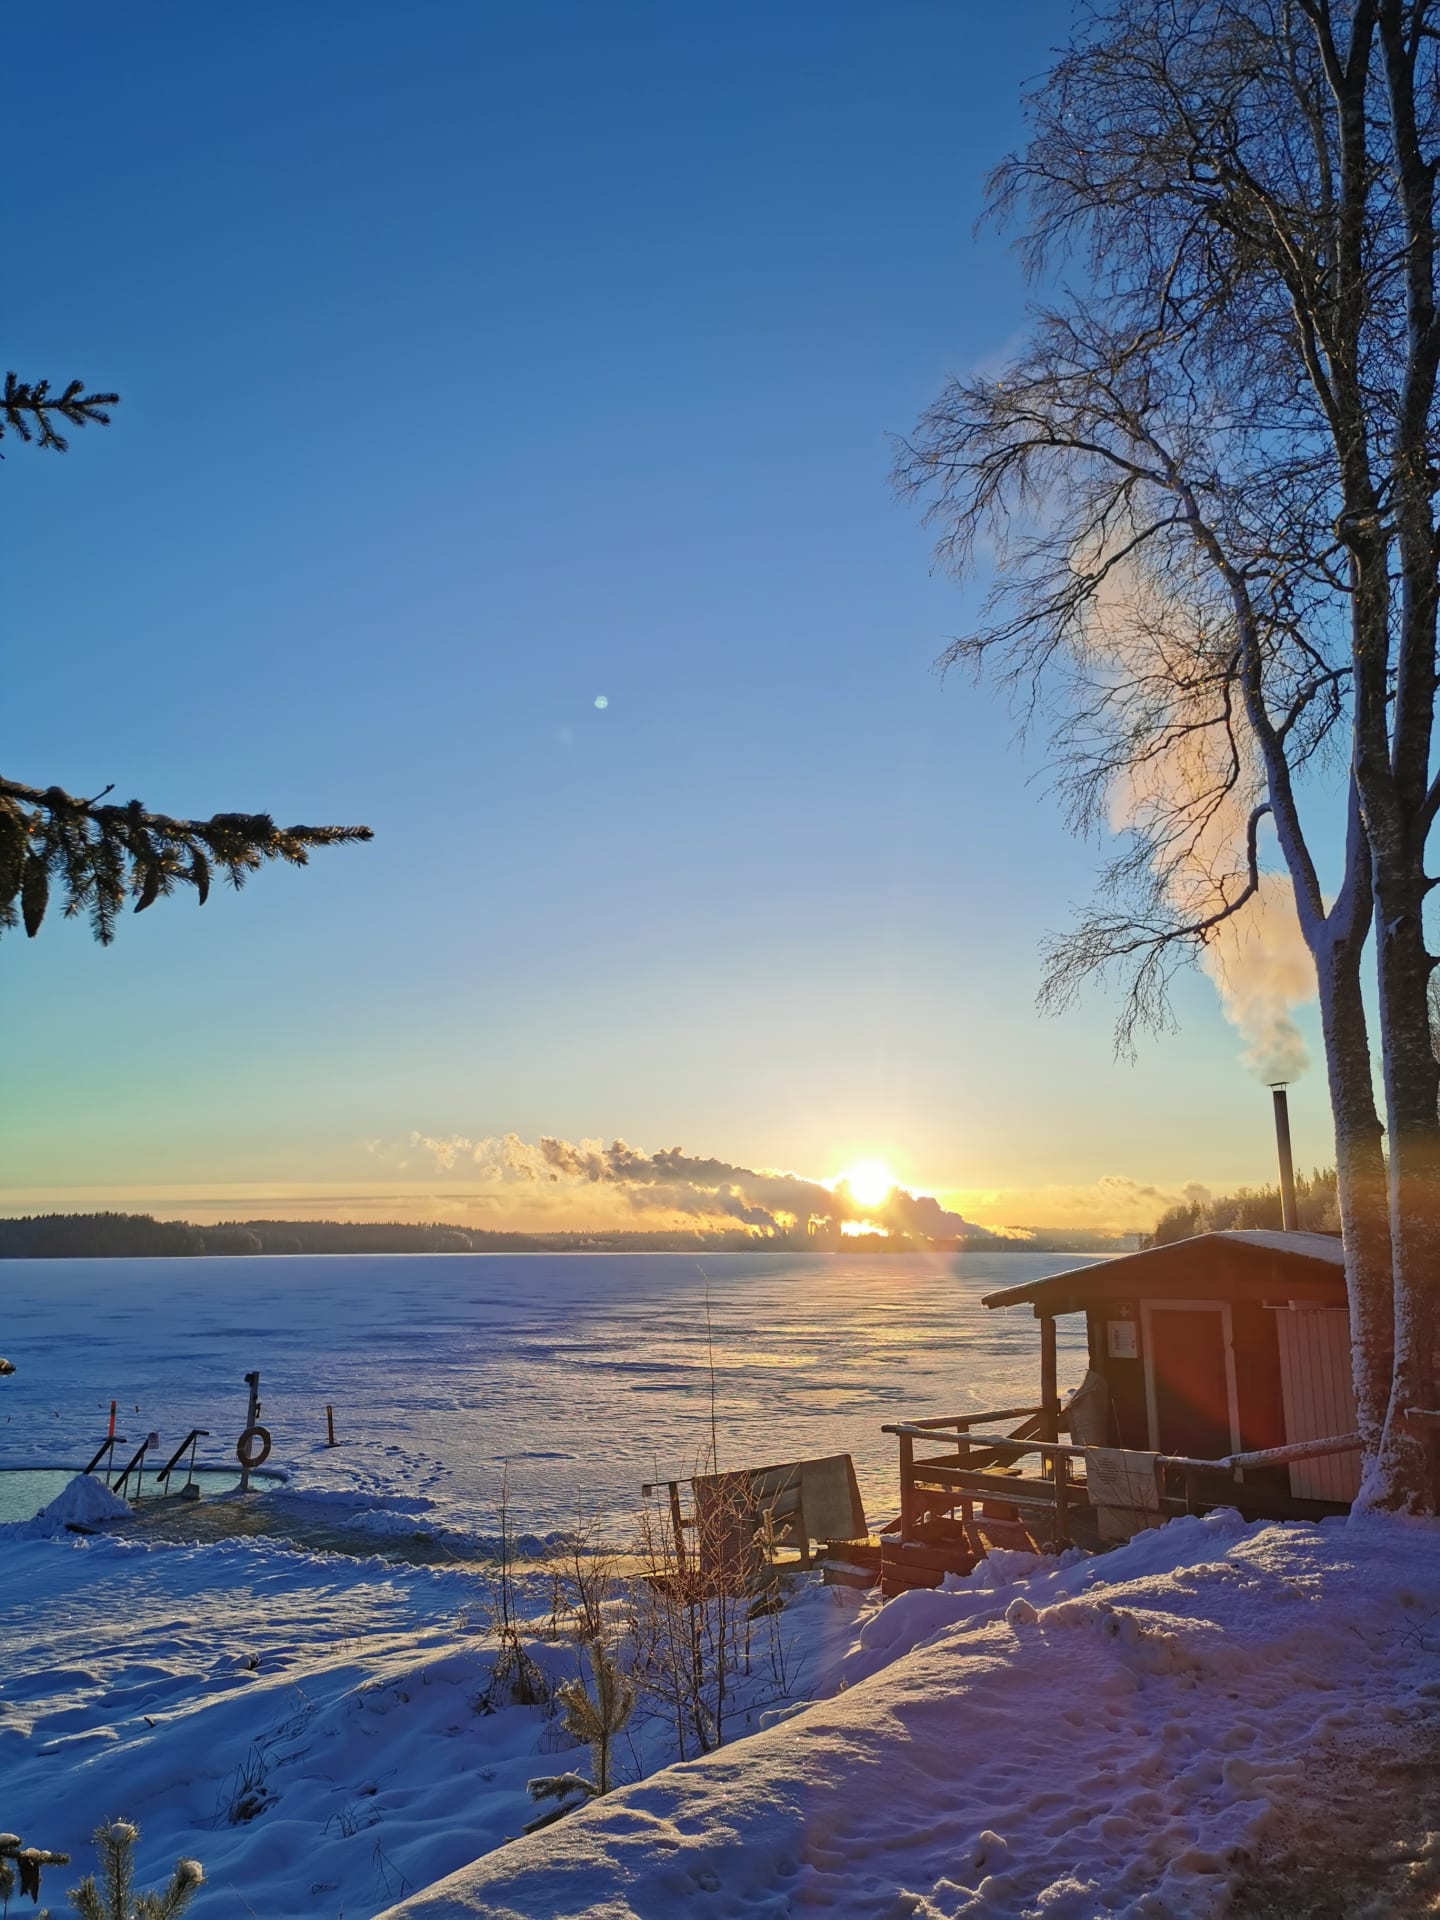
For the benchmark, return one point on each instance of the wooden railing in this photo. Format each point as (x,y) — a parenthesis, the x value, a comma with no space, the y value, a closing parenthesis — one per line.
(966,1473)
(940,1483)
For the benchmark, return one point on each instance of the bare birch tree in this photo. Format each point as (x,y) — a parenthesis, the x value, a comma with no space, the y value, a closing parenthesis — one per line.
(1210,479)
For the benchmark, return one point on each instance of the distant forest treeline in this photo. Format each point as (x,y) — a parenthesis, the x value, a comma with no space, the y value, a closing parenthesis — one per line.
(78,1236)
(96,1236)
(1315,1203)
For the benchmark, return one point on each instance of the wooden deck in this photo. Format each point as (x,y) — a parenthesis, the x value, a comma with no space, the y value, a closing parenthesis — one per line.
(1032,1490)
(966,1487)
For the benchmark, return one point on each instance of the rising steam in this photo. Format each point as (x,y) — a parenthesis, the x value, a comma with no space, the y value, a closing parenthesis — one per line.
(1262,968)
(677,1184)
(1189,801)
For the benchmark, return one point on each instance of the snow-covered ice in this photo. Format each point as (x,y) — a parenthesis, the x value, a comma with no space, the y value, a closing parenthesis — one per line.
(579,1375)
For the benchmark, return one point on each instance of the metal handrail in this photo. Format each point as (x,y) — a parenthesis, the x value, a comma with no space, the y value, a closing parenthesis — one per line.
(124,1479)
(107,1445)
(191,1439)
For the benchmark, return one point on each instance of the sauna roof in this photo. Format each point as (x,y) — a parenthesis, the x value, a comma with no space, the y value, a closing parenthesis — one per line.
(1259,1252)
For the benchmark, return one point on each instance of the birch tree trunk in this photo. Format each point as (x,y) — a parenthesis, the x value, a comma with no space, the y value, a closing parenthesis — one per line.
(1364,1211)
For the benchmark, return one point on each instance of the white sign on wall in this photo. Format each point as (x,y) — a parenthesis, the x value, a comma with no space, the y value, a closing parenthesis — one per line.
(1121,1341)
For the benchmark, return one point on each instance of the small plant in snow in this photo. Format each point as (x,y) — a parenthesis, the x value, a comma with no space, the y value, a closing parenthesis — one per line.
(249,1795)
(515,1679)
(117,1900)
(596,1719)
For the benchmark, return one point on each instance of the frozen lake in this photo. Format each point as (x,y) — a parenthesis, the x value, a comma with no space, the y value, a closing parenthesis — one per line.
(581,1375)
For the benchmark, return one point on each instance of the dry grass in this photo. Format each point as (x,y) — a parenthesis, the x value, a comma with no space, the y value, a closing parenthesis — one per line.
(1359,1841)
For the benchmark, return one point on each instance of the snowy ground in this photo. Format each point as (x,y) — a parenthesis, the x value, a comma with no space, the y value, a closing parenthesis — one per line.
(308,1726)
(1116,1737)
(182,1685)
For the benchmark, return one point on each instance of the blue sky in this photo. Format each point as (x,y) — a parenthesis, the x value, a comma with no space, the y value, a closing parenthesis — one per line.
(478,362)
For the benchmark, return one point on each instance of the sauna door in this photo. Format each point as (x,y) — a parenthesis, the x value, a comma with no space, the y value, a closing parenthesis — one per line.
(1190,1378)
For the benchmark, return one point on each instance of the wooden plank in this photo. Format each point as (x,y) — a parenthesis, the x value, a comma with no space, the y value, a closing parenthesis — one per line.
(962,1421)
(845,1573)
(1008,1443)
(1302,1450)
(917,1553)
(1318,1398)
(990,1486)
(893,1584)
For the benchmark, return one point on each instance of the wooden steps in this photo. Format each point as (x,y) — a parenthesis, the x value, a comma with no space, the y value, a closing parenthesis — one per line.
(851,1563)
(947,1546)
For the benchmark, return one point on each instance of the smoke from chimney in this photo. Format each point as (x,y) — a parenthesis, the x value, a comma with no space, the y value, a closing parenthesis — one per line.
(1190,797)
(1262,969)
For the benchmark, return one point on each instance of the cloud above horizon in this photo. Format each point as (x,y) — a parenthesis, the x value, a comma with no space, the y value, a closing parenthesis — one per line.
(1115,1203)
(672,1185)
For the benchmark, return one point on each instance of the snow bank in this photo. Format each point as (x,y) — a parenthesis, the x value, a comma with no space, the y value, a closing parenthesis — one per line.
(1051,1738)
(1100,1738)
(313,1727)
(86,1502)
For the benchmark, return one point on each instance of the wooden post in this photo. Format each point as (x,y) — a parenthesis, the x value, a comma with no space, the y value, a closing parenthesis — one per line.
(330,1423)
(252,1380)
(677,1521)
(1049,1389)
(1062,1500)
(907,1486)
(962,1458)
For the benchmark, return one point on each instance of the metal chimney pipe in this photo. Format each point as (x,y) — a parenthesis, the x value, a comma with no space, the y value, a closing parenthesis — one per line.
(1288,1217)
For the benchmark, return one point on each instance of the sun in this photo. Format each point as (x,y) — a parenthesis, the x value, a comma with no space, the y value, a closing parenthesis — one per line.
(869,1182)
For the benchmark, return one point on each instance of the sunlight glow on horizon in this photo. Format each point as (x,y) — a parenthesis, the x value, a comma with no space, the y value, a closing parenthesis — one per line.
(868,1182)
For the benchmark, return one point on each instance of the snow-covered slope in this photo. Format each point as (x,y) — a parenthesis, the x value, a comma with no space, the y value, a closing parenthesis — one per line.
(1109,1737)
(312,1727)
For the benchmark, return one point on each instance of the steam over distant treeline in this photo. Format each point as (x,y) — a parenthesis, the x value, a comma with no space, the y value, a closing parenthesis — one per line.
(96,1236)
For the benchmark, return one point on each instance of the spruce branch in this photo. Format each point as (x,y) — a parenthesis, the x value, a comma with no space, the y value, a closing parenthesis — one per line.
(21,1866)
(29,410)
(98,854)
